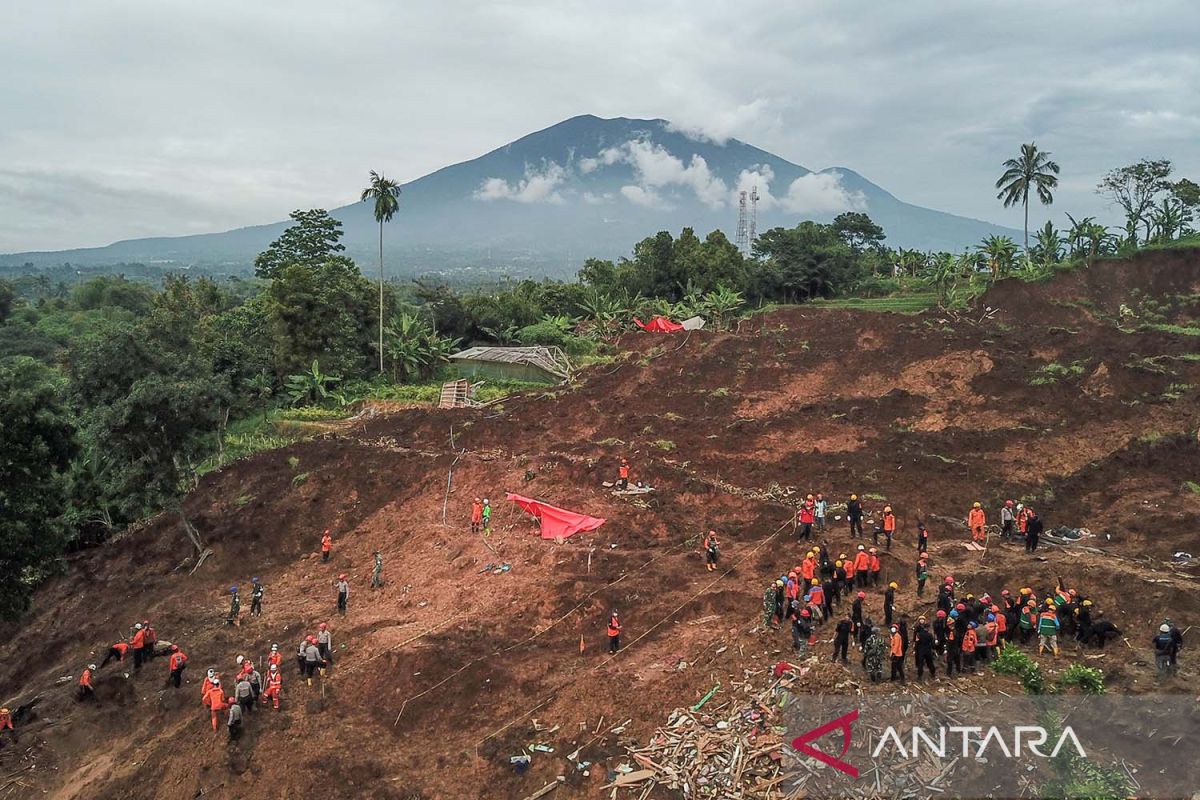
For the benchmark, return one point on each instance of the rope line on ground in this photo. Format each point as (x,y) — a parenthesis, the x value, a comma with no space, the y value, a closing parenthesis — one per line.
(613,656)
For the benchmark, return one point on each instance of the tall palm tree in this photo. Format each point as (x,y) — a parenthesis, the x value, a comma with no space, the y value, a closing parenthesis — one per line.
(386,194)
(1033,169)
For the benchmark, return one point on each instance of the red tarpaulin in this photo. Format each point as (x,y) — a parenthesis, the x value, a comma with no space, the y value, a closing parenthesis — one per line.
(658,325)
(557,523)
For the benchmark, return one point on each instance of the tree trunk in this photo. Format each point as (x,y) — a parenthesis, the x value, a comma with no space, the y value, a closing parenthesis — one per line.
(380,297)
(190,529)
(1026,227)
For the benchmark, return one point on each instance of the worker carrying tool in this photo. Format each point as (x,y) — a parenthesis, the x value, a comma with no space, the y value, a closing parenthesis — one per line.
(325,641)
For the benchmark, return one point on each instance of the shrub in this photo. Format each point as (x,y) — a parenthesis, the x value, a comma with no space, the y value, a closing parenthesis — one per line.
(1089,679)
(1014,662)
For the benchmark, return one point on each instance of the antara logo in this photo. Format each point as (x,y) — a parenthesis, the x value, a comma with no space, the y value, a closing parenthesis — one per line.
(801,743)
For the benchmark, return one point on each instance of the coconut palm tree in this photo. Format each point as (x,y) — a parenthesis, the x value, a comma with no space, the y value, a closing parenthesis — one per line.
(386,194)
(1033,169)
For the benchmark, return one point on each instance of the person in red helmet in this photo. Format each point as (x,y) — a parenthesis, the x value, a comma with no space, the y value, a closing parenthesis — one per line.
(325,642)
(326,545)
(1008,520)
(802,632)
(312,658)
(876,567)
(176,663)
(614,633)
(476,515)
(922,573)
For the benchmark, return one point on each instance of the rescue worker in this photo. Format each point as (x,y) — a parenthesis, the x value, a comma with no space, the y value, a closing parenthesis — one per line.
(476,515)
(712,551)
(235,607)
(954,642)
(841,639)
(897,652)
(1008,520)
(325,642)
(856,612)
(623,475)
(945,599)
(235,719)
(805,518)
(86,690)
(820,507)
(876,567)
(851,571)
(1177,637)
(889,525)
(377,572)
(801,631)
(176,663)
(854,515)
(1083,621)
(970,643)
(343,593)
(922,537)
(769,604)
(939,632)
(614,633)
(808,569)
(1001,620)
(243,692)
(487,515)
(1048,626)
(828,596)
(1102,630)
(274,690)
(300,656)
(326,545)
(862,566)
(922,573)
(864,634)
(1022,519)
(256,682)
(977,522)
(256,597)
(1033,530)
(816,599)
(214,698)
(791,595)
(312,657)
(139,645)
(889,604)
(989,638)
(874,652)
(923,645)
(779,602)
(841,582)
(117,651)
(150,639)
(276,657)
(1028,621)
(1165,650)
(5,720)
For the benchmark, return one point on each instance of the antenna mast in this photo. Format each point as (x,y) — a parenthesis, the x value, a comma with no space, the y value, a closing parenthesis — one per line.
(741,239)
(753,220)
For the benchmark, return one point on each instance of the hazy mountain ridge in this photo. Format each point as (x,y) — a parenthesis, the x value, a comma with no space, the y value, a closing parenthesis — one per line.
(584,187)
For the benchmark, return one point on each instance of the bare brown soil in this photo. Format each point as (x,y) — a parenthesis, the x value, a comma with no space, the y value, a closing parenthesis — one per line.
(440,674)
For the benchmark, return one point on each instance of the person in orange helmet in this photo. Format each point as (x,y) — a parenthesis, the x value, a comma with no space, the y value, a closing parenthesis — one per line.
(897,652)
(862,566)
(977,522)
(343,593)
(712,551)
(326,545)
(176,663)
(876,567)
(623,475)
(476,515)
(889,526)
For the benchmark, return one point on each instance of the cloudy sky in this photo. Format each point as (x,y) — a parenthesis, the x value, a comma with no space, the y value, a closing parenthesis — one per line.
(126,119)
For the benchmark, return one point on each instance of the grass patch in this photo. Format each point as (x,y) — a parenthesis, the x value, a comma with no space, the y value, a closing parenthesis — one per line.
(1013,662)
(300,479)
(1055,372)
(311,414)
(898,304)
(1191,486)
(1089,679)
(671,416)
(1176,391)
(664,444)
(720,391)
(1178,330)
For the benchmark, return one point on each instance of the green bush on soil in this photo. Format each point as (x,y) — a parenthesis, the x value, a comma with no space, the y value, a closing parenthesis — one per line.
(1076,776)
(1089,679)
(312,413)
(1013,662)
(1055,372)
(1191,486)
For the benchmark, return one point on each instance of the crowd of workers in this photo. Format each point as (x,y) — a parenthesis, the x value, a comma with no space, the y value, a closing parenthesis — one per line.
(960,631)
(238,697)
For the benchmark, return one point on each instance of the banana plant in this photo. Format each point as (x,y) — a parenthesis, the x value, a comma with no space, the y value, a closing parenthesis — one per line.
(310,387)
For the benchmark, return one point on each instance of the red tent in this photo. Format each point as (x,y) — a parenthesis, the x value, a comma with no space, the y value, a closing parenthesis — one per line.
(658,324)
(557,523)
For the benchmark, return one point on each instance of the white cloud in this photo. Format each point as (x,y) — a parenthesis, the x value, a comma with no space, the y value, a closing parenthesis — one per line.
(759,177)
(722,124)
(593,199)
(819,193)
(538,186)
(656,168)
(587,165)
(642,196)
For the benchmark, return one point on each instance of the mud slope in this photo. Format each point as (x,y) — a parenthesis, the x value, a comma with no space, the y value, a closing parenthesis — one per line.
(1076,396)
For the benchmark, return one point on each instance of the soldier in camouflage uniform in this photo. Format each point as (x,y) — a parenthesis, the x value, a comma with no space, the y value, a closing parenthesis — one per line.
(873,655)
(769,607)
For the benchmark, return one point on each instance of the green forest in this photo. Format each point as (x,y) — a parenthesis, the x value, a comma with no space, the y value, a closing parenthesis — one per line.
(119,391)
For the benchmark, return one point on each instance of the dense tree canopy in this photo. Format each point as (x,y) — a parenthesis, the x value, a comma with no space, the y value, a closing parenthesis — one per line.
(315,239)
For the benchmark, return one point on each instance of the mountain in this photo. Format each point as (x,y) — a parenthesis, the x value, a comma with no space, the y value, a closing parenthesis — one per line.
(584,187)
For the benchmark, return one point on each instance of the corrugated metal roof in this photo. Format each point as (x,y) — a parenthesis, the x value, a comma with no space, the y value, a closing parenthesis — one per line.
(550,359)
